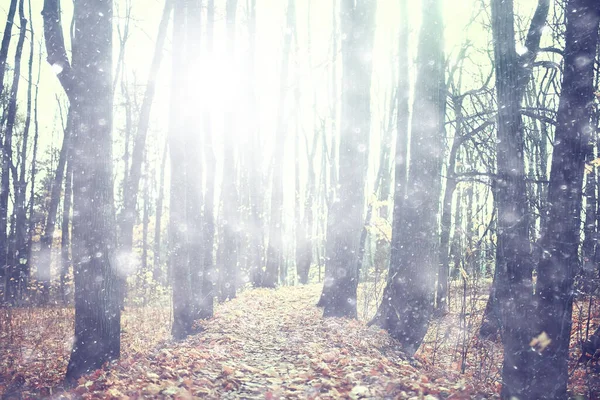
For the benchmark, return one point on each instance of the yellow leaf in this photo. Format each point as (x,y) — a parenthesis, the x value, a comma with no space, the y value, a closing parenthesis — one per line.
(540,342)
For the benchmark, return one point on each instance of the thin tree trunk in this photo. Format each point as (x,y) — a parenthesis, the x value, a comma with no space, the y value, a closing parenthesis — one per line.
(157,267)
(208,230)
(193,158)
(275,247)
(32,222)
(229,191)
(65,242)
(330,195)
(10,17)
(45,257)
(133,172)
(8,245)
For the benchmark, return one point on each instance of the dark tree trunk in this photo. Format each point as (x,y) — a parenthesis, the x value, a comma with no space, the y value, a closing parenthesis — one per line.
(346,215)
(88,86)
(9,252)
(513,253)
(31,227)
(6,36)
(408,296)
(556,272)
(21,254)
(275,247)
(513,285)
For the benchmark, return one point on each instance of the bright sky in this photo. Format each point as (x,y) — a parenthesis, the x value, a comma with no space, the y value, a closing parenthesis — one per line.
(225,75)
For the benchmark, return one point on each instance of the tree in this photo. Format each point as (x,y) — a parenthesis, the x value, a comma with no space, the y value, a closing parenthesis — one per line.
(513,72)
(6,37)
(229,192)
(208,230)
(556,271)
(275,257)
(183,309)
(134,172)
(513,287)
(408,297)
(9,254)
(87,83)
(343,232)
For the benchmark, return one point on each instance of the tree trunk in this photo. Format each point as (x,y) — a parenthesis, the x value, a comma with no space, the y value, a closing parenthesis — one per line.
(556,272)
(88,86)
(408,296)
(229,192)
(9,247)
(65,242)
(45,257)
(346,215)
(10,18)
(275,247)
(329,196)
(513,285)
(183,312)
(193,158)
(31,227)
(133,173)
(588,248)
(208,230)
(515,262)
(157,273)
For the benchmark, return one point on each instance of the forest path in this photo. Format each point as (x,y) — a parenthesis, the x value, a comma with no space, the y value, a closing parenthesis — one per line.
(270,344)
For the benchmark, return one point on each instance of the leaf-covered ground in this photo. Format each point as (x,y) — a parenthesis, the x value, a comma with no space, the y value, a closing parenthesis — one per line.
(266,344)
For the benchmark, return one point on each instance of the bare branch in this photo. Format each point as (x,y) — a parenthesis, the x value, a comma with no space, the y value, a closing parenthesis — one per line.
(55,46)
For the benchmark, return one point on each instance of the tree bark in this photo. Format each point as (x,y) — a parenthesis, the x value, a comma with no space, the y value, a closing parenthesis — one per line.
(229,192)
(346,214)
(133,173)
(157,273)
(208,230)
(6,36)
(88,86)
(556,273)
(275,247)
(9,246)
(183,306)
(408,297)
(512,76)
(65,242)
(513,283)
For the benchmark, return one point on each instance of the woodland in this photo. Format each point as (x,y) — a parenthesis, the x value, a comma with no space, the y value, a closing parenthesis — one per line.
(312,199)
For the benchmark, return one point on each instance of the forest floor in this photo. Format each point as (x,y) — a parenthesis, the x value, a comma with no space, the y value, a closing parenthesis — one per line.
(265,344)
